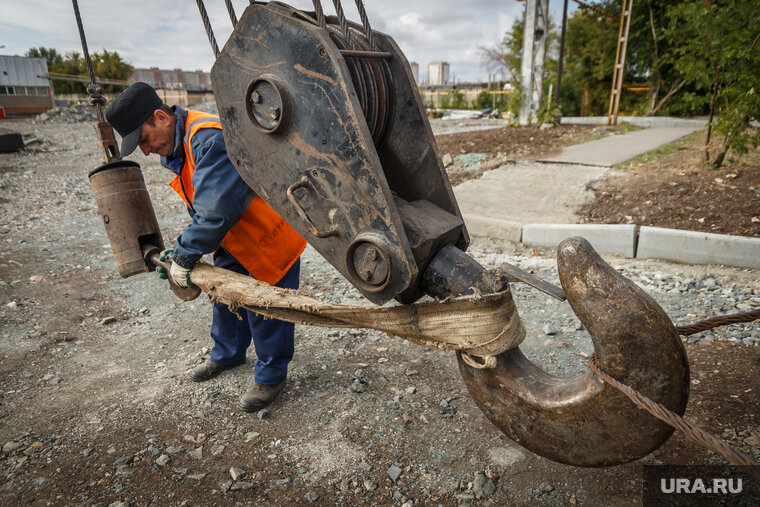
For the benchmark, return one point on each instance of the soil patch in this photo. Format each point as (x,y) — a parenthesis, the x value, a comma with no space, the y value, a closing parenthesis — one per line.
(521,142)
(671,188)
(512,143)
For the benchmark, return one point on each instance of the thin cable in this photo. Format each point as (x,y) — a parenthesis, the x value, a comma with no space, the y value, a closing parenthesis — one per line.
(597,10)
(207,26)
(95,91)
(365,23)
(320,13)
(693,433)
(231,11)
(721,320)
(343,23)
(84,41)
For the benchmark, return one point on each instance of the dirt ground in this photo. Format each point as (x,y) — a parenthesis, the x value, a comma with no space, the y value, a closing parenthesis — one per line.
(671,188)
(96,409)
(495,147)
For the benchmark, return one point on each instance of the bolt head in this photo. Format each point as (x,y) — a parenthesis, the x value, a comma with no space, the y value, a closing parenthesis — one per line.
(365,275)
(255,97)
(274,112)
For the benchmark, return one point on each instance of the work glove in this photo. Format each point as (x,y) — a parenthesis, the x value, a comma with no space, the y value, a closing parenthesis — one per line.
(179,274)
(160,269)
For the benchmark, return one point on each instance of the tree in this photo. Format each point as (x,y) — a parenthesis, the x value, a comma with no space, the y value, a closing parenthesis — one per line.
(51,55)
(726,36)
(505,57)
(109,65)
(590,47)
(105,65)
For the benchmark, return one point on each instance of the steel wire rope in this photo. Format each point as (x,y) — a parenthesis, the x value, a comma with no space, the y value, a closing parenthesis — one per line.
(319,13)
(365,24)
(343,23)
(231,12)
(690,431)
(207,26)
(95,91)
(721,320)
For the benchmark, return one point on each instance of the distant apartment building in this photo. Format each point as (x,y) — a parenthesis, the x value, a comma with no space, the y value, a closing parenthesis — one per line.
(177,86)
(415,71)
(438,73)
(22,91)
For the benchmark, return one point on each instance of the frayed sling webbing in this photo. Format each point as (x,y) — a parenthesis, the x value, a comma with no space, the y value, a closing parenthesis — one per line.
(477,325)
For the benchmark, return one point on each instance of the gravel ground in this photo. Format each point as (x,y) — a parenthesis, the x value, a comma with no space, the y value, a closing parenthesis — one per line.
(96,408)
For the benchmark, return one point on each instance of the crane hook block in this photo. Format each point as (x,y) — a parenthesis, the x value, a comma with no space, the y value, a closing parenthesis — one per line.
(333,136)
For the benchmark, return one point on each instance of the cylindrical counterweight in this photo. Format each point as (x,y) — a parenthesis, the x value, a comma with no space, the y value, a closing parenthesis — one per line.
(127,213)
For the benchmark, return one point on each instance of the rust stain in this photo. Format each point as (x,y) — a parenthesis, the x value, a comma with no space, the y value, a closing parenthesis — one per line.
(246,64)
(317,75)
(361,201)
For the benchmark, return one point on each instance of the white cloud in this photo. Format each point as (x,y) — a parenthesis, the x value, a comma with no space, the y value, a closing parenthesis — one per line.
(169,33)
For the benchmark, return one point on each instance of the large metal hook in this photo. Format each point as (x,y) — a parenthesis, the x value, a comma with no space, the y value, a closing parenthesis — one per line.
(579,420)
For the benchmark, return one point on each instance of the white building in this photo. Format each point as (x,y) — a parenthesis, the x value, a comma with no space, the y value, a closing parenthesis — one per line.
(438,73)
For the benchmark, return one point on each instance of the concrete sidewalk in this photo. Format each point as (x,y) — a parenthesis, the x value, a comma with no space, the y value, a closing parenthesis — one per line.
(503,200)
(535,202)
(536,192)
(614,149)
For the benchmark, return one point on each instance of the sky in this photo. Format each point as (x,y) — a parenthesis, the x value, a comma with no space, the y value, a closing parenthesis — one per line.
(169,33)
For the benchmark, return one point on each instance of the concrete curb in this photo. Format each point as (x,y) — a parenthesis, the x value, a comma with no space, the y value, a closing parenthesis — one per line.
(690,247)
(687,247)
(610,239)
(497,228)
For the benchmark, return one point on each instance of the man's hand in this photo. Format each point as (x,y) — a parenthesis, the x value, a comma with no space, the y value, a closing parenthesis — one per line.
(160,269)
(180,275)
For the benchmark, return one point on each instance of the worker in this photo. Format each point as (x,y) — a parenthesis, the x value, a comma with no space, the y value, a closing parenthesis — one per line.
(245,235)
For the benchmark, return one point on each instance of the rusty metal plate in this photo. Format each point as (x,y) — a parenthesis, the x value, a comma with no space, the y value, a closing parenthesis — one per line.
(321,135)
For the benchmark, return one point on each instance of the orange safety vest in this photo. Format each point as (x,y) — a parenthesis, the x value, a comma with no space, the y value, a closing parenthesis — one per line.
(261,240)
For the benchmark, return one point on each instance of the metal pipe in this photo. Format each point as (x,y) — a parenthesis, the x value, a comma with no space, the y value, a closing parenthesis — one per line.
(365,54)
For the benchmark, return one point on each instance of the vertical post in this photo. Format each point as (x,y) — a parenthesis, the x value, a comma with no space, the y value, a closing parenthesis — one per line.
(619,71)
(539,55)
(534,51)
(561,53)
(526,69)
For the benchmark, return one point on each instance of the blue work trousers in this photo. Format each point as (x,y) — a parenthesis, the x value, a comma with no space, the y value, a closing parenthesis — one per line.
(272,338)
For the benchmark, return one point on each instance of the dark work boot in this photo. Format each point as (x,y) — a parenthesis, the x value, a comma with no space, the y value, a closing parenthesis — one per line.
(260,396)
(208,370)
